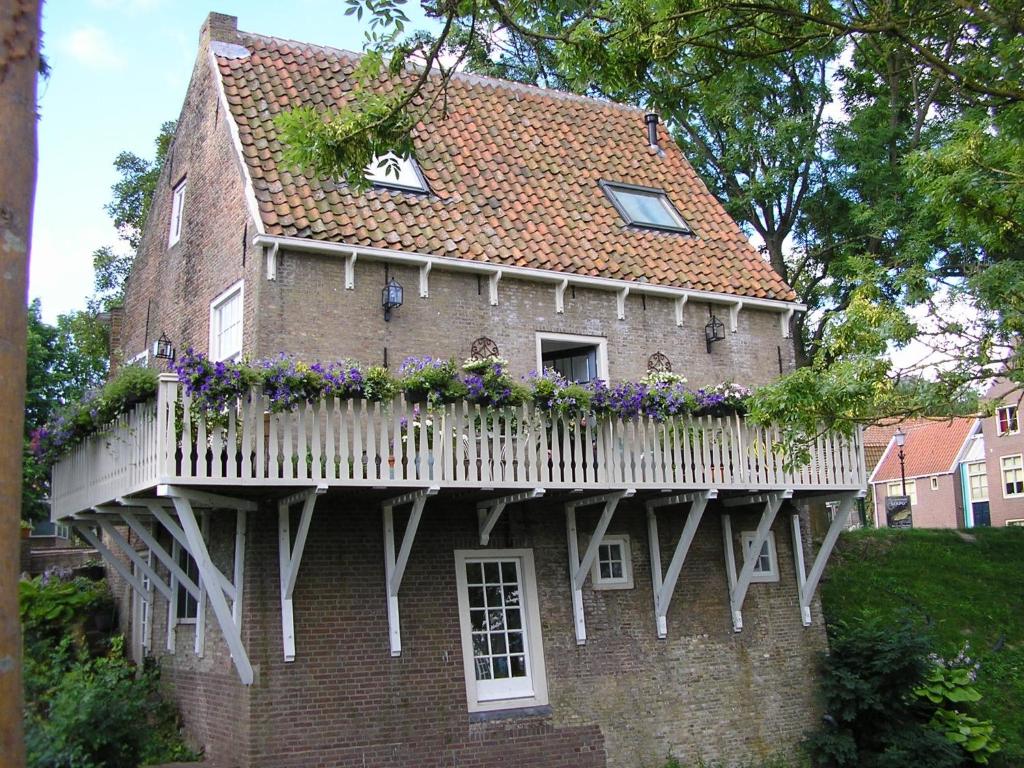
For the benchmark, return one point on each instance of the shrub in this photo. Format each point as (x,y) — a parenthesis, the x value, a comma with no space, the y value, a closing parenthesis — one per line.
(431,380)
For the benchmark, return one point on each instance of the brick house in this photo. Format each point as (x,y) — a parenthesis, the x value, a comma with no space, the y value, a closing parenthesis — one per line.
(328,587)
(936,456)
(1003,485)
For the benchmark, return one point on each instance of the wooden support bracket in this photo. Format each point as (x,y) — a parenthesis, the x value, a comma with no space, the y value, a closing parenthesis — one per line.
(85,529)
(560,287)
(807,583)
(350,271)
(492,287)
(290,557)
(664,588)
(394,565)
(680,307)
(271,251)
(738,584)
(425,279)
(578,569)
(488,512)
(620,302)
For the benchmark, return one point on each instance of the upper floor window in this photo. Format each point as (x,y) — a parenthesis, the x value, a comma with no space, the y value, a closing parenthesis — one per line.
(226,324)
(390,170)
(644,207)
(977,481)
(501,634)
(1006,420)
(580,359)
(895,488)
(177,212)
(1013,475)
(766,567)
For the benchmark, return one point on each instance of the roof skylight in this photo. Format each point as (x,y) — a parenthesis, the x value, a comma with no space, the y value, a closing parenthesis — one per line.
(644,207)
(390,170)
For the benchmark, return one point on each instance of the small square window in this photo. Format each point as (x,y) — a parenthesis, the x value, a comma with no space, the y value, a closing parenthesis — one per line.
(177,212)
(1006,420)
(645,207)
(767,566)
(390,170)
(613,567)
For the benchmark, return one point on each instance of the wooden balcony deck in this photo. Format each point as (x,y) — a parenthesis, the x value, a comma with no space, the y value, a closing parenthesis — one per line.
(399,445)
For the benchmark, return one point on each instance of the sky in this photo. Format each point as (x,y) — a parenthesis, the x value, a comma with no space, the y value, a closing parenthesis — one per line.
(119,69)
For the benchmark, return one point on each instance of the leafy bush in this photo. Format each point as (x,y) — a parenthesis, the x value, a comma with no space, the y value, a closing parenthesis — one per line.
(432,380)
(882,696)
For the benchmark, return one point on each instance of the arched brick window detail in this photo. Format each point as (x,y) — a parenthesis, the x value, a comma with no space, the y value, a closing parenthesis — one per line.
(483,348)
(659,363)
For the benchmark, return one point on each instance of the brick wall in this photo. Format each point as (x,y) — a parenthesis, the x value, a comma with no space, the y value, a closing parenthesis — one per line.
(308,312)
(939,508)
(625,699)
(1001,507)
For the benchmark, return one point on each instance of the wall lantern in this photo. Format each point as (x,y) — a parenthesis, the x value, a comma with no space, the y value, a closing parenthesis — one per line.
(714,330)
(391,297)
(163,349)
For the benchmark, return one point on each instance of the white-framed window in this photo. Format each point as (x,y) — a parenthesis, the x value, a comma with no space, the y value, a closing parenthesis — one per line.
(613,567)
(390,170)
(177,212)
(1013,475)
(934,482)
(499,616)
(226,323)
(578,358)
(1017,521)
(644,206)
(186,606)
(895,488)
(767,566)
(977,481)
(140,359)
(1007,422)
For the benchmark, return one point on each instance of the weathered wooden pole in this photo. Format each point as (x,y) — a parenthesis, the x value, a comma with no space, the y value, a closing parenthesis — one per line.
(19,65)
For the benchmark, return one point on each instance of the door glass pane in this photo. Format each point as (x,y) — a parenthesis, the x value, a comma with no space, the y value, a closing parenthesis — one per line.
(498,638)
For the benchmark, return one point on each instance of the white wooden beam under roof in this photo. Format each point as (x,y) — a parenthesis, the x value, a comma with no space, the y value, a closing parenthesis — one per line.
(740,583)
(578,569)
(488,512)
(664,587)
(395,563)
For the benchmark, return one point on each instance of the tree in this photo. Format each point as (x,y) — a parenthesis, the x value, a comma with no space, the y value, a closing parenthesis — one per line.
(910,198)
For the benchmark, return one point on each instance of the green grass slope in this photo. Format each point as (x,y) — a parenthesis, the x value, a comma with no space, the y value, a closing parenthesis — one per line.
(959,588)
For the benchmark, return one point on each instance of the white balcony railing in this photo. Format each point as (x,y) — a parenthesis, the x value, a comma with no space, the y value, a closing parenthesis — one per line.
(461,445)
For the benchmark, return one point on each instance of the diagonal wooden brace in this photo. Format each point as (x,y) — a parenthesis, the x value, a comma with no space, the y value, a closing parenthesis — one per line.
(491,510)
(738,584)
(161,554)
(394,565)
(806,584)
(85,529)
(114,535)
(289,559)
(665,588)
(208,574)
(179,535)
(578,569)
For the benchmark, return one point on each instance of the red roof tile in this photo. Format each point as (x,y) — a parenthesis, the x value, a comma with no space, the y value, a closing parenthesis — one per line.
(513,173)
(930,449)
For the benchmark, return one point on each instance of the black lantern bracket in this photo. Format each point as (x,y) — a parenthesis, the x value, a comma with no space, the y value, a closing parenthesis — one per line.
(163,349)
(714,330)
(391,297)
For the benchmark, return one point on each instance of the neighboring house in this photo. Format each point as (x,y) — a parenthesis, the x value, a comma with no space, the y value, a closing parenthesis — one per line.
(329,591)
(934,456)
(1003,483)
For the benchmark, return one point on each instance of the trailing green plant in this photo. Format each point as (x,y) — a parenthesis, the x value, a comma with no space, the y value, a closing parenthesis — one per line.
(432,380)
(52,608)
(379,386)
(489,383)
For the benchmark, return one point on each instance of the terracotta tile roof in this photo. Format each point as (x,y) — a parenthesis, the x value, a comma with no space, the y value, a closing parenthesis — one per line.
(880,434)
(513,172)
(930,449)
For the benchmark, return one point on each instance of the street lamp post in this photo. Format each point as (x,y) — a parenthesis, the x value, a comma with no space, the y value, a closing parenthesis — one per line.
(901,439)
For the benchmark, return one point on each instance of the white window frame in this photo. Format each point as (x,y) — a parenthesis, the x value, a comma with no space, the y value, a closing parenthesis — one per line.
(216,354)
(140,359)
(1016,521)
(177,211)
(626,580)
(615,188)
(972,474)
(1002,474)
(534,642)
(600,342)
(759,575)
(409,179)
(934,483)
(895,488)
(1012,414)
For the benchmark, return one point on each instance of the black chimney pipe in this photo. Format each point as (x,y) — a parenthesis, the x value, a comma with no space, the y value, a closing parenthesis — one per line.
(652,128)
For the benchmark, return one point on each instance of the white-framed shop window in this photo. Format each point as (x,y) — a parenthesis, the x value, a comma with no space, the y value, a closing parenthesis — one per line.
(767,566)
(578,358)
(613,567)
(499,617)
(1013,475)
(177,212)
(226,323)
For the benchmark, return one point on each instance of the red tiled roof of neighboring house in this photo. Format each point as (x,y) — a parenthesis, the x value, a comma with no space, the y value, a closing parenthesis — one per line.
(930,449)
(513,172)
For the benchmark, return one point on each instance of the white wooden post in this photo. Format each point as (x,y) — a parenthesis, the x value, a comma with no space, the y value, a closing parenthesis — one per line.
(239,565)
(394,565)
(739,584)
(289,559)
(578,569)
(208,574)
(808,584)
(488,512)
(200,639)
(664,588)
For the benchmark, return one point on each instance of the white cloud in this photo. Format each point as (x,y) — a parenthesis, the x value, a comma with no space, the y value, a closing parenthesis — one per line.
(92,47)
